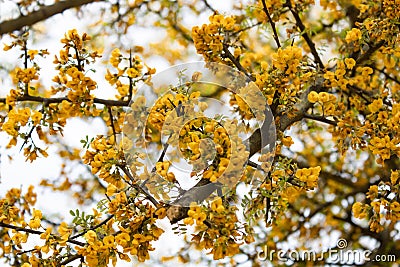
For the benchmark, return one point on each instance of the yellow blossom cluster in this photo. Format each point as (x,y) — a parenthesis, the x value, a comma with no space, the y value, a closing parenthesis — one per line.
(9,210)
(322,97)
(162,169)
(220,233)
(354,35)
(378,210)
(196,214)
(25,75)
(209,38)
(384,147)
(326,99)
(249,101)
(376,105)
(72,76)
(165,105)
(309,176)
(102,158)
(133,239)
(130,71)
(360,210)
(34,223)
(190,143)
(338,78)
(288,60)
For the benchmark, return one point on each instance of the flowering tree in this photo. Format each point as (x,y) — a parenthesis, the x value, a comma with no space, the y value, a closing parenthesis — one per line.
(309,144)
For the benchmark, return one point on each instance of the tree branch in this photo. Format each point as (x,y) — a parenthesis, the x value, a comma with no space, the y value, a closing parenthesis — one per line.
(50,100)
(42,14)
(138,187)
(305,35)
(271,22)
(36,232)
(320,119)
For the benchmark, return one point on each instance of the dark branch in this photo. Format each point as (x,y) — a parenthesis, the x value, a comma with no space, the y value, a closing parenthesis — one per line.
(320,119)
(304,34)
(272,23)
(43,13)
(36,232)
(107,102)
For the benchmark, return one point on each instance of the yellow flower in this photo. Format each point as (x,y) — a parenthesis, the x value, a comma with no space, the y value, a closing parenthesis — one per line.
(188,221)
(46,234)
(217,206)
(375,106)
(63,229)
(312,97)
(350,63)
(287,141)
(395,206)
(132,73)
(108,241)
(161,213)
(394,177)
(358,210)
(123,239)
(323,97)
(90,236)
(353,35)
(36,117)
(34,223)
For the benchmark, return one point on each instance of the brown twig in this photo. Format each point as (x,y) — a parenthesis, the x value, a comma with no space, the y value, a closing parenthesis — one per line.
(93,228)
(39,99)
(272,23)
(305,35)
(36,232)
(71,259)
(320,119)
(138,187)
(43,13)
(235,62)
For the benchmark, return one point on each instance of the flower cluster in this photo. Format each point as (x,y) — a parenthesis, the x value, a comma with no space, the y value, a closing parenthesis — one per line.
(72,75)
(102,158)
(196,214)
(162,169)
(322,97)
(164,106)
(25,75)
(379,209)
(354,35)
(288,60)
(209,38)
(309,176)
(34,223)
(133,238)
(220,233)
(131,71)
(384,147)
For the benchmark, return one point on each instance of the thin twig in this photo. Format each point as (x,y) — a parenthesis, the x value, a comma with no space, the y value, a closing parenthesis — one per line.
(236,62)
(320,119)
(107,102)
(93,228)
(71,259)
(272,23)
(36,232)
(112,124)
(305,35)
(138,187)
